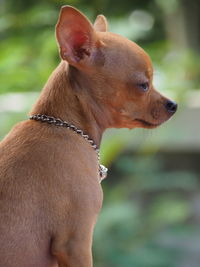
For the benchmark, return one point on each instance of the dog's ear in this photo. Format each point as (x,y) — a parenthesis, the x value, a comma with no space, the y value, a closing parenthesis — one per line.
(75,35)
(101,23)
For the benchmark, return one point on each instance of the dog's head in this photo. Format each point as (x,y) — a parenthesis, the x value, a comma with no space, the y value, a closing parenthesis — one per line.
(121,72)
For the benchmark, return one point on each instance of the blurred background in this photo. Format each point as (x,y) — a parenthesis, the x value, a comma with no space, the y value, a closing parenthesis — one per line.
(151,211)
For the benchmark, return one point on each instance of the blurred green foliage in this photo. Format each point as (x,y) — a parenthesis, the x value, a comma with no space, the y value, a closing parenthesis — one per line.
(147,213)
(150,216)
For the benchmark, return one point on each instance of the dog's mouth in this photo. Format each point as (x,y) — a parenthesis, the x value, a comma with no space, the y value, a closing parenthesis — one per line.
(146,124)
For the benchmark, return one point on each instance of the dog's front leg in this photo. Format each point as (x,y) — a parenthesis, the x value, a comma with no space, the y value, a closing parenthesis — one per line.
(74,248)
(74,254)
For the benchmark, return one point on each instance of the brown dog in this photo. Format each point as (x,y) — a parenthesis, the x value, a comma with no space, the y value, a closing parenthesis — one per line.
(50,194)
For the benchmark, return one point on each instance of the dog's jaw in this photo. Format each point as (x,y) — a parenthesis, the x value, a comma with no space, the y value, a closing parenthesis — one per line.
(146,124)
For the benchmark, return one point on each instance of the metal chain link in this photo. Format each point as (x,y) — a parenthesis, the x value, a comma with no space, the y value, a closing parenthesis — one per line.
(58,122)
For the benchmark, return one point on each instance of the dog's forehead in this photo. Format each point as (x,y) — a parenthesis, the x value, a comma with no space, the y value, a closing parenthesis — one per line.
(124,50)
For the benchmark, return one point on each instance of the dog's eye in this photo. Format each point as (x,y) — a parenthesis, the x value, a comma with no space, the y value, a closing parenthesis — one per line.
(144,86)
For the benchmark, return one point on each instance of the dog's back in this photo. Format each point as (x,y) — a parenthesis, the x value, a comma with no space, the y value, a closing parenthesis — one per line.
(24,233)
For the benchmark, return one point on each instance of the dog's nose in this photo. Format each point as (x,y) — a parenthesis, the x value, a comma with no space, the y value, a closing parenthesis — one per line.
(171,106)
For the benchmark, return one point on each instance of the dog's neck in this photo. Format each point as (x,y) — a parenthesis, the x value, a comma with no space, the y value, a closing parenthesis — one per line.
(67,95)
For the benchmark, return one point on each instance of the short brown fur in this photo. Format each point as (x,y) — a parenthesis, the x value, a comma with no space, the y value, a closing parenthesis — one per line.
(50,194)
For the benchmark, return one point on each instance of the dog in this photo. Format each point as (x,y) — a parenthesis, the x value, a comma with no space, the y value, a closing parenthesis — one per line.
(50,192)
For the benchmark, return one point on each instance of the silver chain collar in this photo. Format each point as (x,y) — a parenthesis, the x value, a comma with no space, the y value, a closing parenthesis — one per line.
(58,122)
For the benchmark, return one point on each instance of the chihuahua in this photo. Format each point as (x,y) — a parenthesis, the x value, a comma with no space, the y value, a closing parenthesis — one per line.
(50,192)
